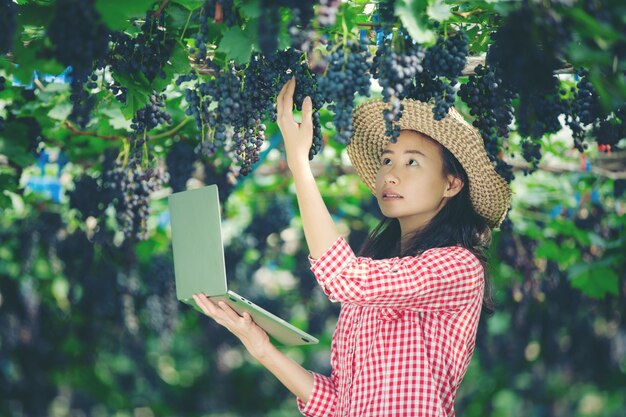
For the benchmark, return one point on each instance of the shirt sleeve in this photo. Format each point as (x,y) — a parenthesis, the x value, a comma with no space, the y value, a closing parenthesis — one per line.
(323,398)
(446,278)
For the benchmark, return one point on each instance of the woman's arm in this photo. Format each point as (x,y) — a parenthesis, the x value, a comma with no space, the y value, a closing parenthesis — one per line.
(319,229)
(293,376)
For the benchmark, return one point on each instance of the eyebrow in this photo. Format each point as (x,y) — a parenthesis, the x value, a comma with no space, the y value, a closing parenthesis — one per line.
(409,151)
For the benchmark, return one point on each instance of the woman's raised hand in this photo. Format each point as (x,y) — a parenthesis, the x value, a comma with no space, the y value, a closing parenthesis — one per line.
(255,340)
(298,137)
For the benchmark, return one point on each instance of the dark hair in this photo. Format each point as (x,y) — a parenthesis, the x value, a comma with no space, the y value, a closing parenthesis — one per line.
(456,224)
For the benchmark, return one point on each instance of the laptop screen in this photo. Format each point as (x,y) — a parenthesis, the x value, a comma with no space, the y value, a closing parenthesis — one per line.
(197,242)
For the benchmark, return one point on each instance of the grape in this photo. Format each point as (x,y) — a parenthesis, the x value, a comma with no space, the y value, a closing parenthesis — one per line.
(8,24)
(151,115)
(396,72)
(445,59)
(524,50)
(347,75)
(82,104)
(78,36)
(86,197)
(491,105)
(180,161)
(537,114)
(269,24)
(276,217)
(207,11)
(327,12)
(147,53)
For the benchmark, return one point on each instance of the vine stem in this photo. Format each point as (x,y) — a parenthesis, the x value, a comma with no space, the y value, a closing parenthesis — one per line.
(79,132)
(166,134)
(162,6)
(182,35)
(173,130)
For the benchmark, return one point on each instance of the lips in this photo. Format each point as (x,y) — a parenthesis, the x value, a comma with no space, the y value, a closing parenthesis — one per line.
(391,195)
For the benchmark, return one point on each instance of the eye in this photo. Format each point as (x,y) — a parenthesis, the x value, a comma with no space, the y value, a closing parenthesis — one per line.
(385,161)
(413,162)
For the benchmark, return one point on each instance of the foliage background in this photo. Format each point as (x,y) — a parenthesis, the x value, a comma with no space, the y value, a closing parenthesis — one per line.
(89,324)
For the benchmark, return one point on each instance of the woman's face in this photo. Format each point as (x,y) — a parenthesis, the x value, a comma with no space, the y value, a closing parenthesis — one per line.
(410,184)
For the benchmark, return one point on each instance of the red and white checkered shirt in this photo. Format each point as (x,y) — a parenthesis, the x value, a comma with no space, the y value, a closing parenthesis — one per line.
(405,334)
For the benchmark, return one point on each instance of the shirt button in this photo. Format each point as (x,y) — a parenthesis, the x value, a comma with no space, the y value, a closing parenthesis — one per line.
(351,350)
(356,319)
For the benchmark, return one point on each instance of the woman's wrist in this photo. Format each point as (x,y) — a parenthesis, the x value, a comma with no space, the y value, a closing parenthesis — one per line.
(299,165)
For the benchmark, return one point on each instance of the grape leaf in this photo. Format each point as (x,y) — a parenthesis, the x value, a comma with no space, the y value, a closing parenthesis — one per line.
(236,44)
(117,13)
(438,10)
(412,13)
(593,280)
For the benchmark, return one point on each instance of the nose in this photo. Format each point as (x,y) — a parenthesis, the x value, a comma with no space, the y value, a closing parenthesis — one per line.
(391,178)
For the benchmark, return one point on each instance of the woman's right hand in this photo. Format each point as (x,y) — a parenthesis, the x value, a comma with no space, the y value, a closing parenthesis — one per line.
(255,339)
(298,137)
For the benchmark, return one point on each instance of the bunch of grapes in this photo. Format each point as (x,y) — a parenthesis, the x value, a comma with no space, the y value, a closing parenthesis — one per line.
(134,185)
(86,197)
(151,115)
(276,217)
(161,306)
(180,165)
(584,109)
(82,104)
(147,53)
(327,12)
(524,50)
(8,24)
(396,72)
(538,113)
(247,144)
(224,179)
(347,75)
(524,55)
(288,64)
(217,10)
(611,130)
(446,59)
(491,105)
(78,36)
(260,86)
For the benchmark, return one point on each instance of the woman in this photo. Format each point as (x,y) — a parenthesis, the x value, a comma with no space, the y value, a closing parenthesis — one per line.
(411,303)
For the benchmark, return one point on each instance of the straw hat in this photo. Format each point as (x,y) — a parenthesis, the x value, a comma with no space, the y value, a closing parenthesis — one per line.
(489,192)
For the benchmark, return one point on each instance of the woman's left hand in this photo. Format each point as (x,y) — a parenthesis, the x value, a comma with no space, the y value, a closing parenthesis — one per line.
(297,137)
(255,339)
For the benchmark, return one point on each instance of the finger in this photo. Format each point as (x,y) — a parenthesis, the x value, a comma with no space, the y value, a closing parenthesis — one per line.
(230,313)
(279,99)
(201,301)
(307,111)
(288,98)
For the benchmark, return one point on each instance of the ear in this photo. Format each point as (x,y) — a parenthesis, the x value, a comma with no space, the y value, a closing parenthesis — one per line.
(455,185)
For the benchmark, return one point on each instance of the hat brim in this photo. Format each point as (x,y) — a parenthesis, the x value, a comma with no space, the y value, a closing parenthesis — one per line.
(489,192)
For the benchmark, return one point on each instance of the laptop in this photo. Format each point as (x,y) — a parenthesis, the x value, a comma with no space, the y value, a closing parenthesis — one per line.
(199,264)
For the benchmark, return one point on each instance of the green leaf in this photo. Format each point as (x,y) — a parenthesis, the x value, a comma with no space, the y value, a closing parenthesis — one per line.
(438,10)
(190,4)
(251,9)
(138,93)
(413,15)
(593,280)
(236,44)
(116,14)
